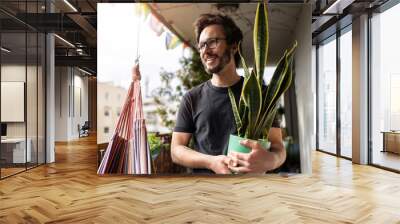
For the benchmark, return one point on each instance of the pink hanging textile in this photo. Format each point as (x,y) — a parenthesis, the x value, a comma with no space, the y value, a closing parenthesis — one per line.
(128,151)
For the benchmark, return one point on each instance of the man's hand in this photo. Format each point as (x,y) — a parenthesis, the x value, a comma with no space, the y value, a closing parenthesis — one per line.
(219,164)
(259,160)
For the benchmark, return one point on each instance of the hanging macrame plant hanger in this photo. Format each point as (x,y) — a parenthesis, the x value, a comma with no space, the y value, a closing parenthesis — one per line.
(128,151)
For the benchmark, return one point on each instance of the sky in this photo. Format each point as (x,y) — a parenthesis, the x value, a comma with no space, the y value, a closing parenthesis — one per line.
(389,65)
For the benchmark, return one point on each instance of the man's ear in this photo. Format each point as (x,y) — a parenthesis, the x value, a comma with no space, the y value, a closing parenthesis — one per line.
(234,49)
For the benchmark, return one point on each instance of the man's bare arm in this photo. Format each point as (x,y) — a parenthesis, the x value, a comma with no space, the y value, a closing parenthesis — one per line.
(183,155)
(277,147)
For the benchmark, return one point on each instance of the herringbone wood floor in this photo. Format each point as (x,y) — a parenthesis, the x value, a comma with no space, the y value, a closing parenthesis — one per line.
(69,191)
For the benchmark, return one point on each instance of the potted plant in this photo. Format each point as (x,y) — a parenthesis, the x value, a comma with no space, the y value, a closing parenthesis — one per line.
(257,105)
(155,144)
(161,156)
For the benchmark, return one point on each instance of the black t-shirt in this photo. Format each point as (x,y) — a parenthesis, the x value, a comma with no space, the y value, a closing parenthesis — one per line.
(206,113)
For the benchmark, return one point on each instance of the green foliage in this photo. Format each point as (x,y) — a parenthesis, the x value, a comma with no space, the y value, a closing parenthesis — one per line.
(192,72)
(155,144)
(257,108)
(167,98)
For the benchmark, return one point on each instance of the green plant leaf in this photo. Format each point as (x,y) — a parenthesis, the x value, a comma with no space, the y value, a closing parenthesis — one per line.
(268,122)
(276,82)
(285,78)
(260,39)
(252,98)
(257,106)
(280,82)
(271,91)
(242,107)
(288,77)
(245,68)
(235,110)
(245,122)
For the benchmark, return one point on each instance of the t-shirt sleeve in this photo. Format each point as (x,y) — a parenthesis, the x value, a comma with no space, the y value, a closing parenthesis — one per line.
(184,120)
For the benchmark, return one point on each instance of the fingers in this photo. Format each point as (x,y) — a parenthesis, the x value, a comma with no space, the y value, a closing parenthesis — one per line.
(227,160)
(240,156)
(220,165)
(253,145)
(238,163)
(243,163)
(240,169)
(249,143)
(226,171)
(233,162)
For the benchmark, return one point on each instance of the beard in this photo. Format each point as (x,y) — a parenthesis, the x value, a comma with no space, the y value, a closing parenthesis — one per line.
(222,62)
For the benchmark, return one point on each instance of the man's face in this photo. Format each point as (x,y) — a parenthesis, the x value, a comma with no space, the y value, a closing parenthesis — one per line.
(214,59)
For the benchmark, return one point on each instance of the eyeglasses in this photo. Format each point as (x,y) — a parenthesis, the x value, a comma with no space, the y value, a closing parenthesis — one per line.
(210,43)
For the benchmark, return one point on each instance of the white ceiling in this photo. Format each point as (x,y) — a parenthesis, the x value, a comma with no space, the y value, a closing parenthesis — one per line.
(282,22)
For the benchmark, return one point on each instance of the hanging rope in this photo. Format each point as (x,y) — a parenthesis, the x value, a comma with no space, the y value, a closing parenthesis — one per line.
(138,36)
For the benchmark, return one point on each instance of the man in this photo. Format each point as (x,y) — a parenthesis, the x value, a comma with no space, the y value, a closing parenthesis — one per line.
(206,114)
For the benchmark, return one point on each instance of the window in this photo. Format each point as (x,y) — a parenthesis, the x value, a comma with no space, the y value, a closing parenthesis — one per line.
(106,130)
(118,111)
(385,88)
(346,75)
(106,95)
(334,64)
(22,64)
(327,95)
(107,112)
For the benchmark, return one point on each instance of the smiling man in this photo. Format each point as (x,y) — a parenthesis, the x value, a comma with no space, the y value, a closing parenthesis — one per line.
(205,113)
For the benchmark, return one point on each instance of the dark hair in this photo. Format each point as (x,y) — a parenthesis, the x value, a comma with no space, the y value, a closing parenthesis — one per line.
(232,32)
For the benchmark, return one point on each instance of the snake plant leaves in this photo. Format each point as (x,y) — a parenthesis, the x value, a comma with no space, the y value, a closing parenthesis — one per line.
(236,114)
(239,112)
(260,39)
(251,93)
(269,121)
(284,81)
(288,77)
(272,88)
(245,68)
(276,81)
(245,121)
(257,105)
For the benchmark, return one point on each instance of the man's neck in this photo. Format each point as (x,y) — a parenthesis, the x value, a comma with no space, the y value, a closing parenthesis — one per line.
(227,77)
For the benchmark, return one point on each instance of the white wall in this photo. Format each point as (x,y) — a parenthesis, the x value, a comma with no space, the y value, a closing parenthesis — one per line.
(61,103)
(71,94)
(80,109)
(12,73)
(16,73)
(305,88)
